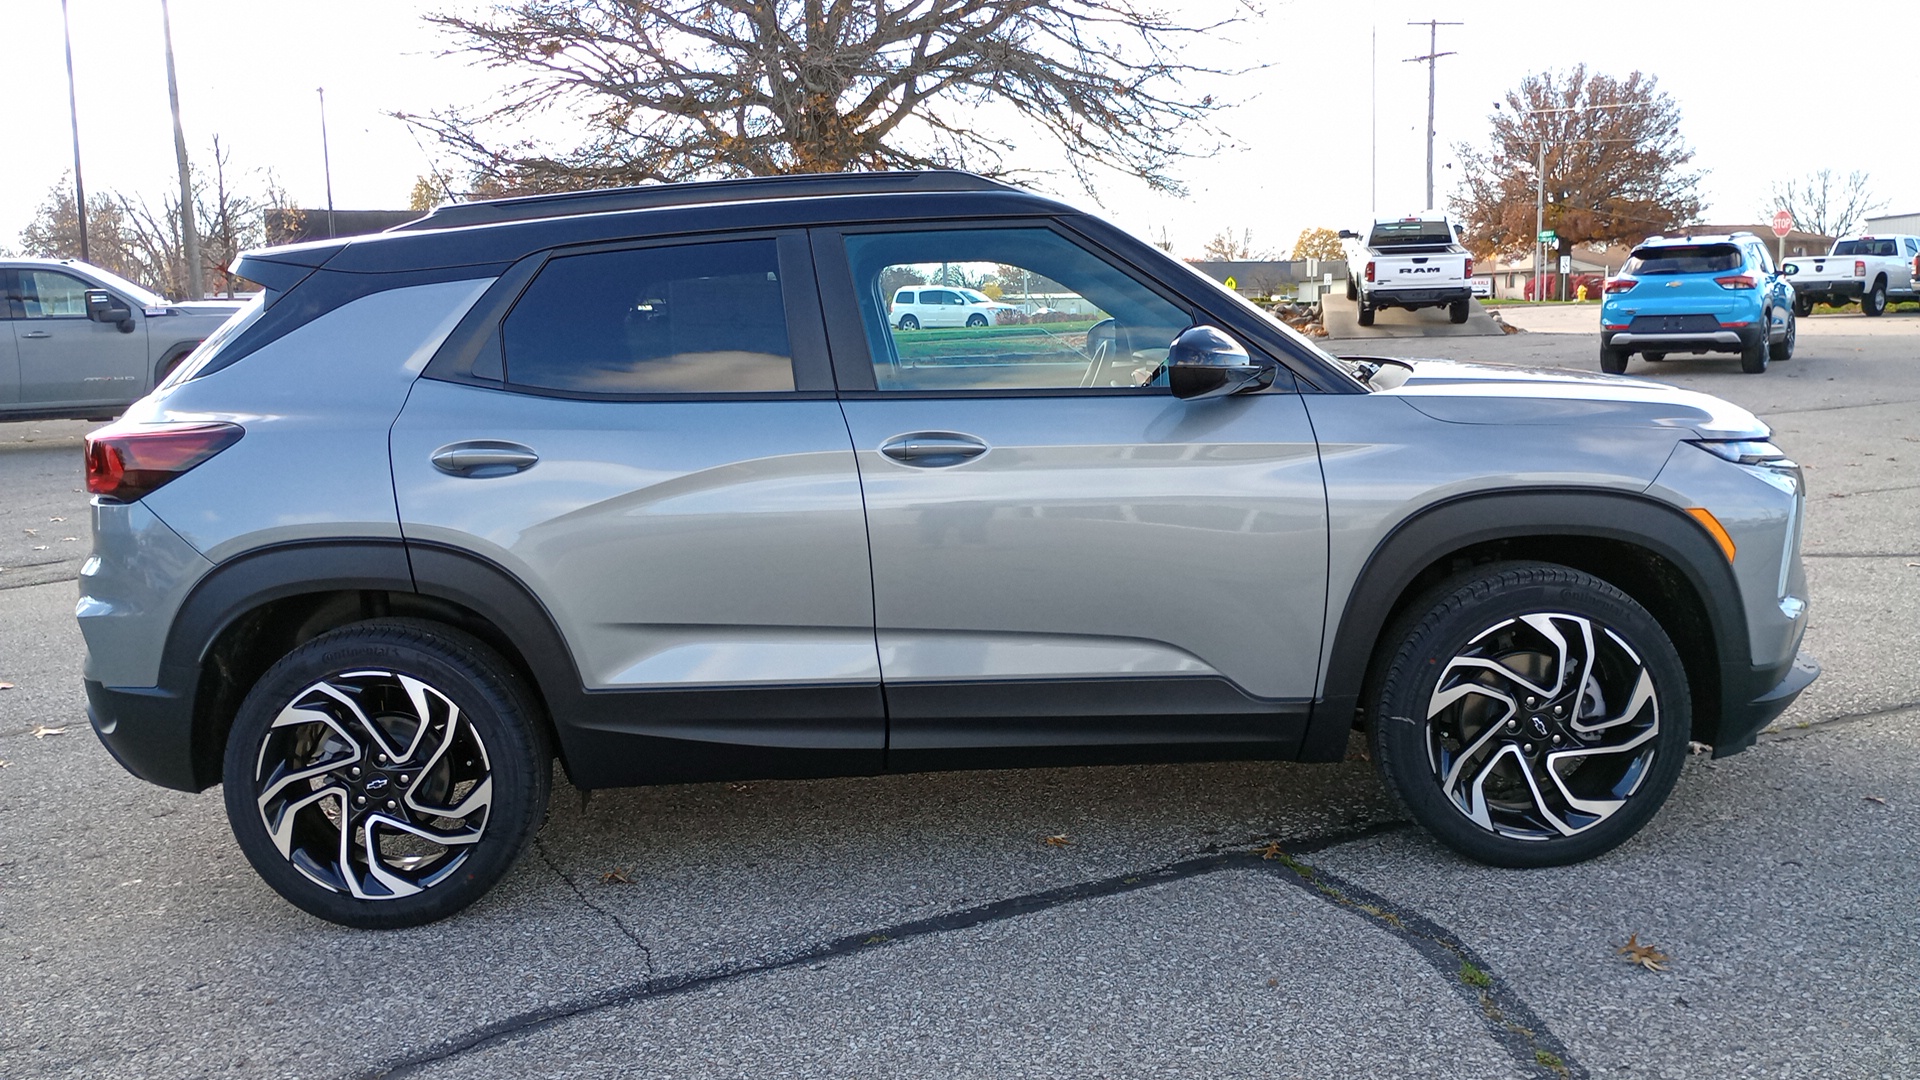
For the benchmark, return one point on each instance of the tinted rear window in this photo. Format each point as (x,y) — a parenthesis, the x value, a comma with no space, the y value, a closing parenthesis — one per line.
(1865,247)
(1684,259)
(1410,232)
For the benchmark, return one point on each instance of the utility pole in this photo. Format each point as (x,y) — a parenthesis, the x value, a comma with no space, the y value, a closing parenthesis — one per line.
(1433,54)
(326,158)
(73,110)
(189,232)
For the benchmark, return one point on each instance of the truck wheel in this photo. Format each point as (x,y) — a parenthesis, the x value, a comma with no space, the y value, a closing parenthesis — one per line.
(1754,357)
(1613,361)
(386,773)
(1530,714)
(1457,311)
(1803,305)
(1366,314)
(1656,357)
(1784,351)
(1353,291)
(1874,302)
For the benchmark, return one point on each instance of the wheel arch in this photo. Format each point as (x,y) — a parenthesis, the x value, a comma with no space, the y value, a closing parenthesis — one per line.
(172,355)
(253,609)
(1654,553)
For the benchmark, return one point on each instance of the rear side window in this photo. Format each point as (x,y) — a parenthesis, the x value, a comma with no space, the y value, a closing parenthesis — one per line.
(696,318)
(1684,259)
(1864,247)
(905,297)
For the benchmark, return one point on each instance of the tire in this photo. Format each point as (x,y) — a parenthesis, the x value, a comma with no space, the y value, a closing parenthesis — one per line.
(404,725)
(1873,303)
(908,322)
(1366,314)
(1613,361)
(1457,311)
(976,320)
(1753,357)
(1353,291)
(1784,351)
(1803,306)
(1519,700)
(1656,357)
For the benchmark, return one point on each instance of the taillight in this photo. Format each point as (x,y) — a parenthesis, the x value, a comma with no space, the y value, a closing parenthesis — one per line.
(1369,271)
(1469,271)
(1859,268)
(127,463)
(1622,284)
(1736,281)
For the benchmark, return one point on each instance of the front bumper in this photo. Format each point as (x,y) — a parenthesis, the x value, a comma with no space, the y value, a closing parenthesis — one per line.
(1741,725)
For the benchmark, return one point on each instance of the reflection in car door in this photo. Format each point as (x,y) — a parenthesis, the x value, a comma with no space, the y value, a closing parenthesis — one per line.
(67,358)
(1047,554)
(9,349)
(657,454)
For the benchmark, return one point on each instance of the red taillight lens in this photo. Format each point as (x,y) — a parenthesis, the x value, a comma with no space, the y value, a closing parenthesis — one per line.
(1621,284)
(128,463)
(1859,268)
(1369,271)
(1469,270)
(1736,281)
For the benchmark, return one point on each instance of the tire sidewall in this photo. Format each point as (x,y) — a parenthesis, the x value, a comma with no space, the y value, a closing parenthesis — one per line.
(488,696)
(1440,627)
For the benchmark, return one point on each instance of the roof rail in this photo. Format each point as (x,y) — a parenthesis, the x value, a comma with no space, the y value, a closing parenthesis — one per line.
(648,196)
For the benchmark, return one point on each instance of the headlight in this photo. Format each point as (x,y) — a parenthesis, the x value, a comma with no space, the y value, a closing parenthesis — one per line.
(1745,451)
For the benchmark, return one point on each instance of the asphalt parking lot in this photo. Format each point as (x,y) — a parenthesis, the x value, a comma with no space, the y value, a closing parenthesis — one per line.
(1252,919)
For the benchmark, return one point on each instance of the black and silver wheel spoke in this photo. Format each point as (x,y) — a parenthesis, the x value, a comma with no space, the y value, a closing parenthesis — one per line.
(1542,726)
(372,783)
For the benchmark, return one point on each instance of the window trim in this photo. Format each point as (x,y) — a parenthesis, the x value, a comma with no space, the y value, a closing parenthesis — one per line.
(19,293)
(462,352)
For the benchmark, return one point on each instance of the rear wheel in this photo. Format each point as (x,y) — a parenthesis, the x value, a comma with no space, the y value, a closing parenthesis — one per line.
(908,322)
(1874,301)
(1754,357)
(1531,714)
(1803,305)
(1353,291)
(1613,361)
(1457,311)
(1366,314)
(1789,339)
(1656,357)
(386,774)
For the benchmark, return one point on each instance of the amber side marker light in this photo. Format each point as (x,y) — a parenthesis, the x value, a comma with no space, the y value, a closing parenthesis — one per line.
(1714,529)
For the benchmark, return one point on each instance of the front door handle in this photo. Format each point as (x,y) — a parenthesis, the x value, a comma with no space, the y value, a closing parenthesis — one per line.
(933,449)
(36,334)
(482,458)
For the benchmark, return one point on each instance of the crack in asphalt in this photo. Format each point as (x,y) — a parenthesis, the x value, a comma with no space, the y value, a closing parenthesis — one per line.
(1508,1020)
(1860,554)
(619,923)
(1837,408)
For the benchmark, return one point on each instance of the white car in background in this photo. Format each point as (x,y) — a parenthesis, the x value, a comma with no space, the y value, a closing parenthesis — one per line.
(943,305)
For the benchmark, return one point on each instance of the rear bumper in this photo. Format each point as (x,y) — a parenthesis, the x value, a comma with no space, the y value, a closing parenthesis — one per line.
(1842,291)
(149,731)
(1418,298)
(1731,339)
(1741,725)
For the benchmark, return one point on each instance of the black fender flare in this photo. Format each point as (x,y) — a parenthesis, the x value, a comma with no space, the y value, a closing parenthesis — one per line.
(1471,520)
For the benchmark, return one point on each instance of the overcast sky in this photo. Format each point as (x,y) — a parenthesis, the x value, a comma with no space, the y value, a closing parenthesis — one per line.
(1304,151)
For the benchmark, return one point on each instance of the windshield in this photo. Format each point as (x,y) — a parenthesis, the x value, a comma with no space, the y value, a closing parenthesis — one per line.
(139,294)
(1410,232)
(1865,246)
(1683,259)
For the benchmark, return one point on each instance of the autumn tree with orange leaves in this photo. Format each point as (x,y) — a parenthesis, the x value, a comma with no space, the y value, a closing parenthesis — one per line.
(670,90)
(1615,165)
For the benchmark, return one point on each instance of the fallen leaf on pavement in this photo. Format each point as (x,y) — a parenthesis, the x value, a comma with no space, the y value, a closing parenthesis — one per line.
(1056,840)
(4,764)
(616,876)
(1875,799)
(1271,851)
(41,731)
(39,547)
(57,519)
(1645,955)
(6,686)
(31,532)
(1698,747)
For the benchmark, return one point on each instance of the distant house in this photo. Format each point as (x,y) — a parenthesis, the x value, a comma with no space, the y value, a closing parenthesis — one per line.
(1893,223)
(296,226)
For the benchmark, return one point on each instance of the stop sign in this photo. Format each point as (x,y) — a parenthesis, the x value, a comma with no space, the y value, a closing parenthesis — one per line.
(1782,223)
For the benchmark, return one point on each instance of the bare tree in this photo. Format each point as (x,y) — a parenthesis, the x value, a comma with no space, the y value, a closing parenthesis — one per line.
(683,89)
(1615,164)
(232,223)
(1226,247)
(1823,203)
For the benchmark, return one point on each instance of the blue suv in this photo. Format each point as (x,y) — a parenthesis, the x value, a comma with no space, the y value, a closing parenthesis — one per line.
(1698,294)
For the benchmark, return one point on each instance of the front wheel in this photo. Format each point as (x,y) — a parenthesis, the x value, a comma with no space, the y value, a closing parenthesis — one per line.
(1803,306)
(976,320)
(1530,715)
(1613,361)
(1754,356)
(386,773)
(1353,291)
(1457,311)
(1874,301)
(1366,314)
(1789,339)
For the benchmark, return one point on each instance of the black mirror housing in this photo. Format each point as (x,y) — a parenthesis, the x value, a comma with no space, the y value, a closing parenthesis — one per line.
(104,307)
(1349,234)
(1204,362)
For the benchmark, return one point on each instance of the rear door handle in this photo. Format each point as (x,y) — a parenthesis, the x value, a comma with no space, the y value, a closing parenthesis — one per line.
(481,458)
(933,449)
(36,334)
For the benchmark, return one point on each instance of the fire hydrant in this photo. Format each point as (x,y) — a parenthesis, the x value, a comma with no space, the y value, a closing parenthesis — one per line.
(1581,293)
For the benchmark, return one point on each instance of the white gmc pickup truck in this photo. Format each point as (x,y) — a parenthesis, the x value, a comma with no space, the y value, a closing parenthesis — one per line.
(1871,269)
(1409,262)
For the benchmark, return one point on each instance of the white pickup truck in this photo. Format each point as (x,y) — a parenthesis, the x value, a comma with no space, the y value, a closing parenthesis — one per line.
(80,342)
(1874,270)
(1409,262)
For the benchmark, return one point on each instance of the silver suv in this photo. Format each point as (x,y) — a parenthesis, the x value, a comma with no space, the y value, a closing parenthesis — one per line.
(647,479)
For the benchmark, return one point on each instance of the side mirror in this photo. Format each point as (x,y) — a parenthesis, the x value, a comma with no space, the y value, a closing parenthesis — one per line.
(1204,362)
(103,307)
(1349,234)
(1789,269)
